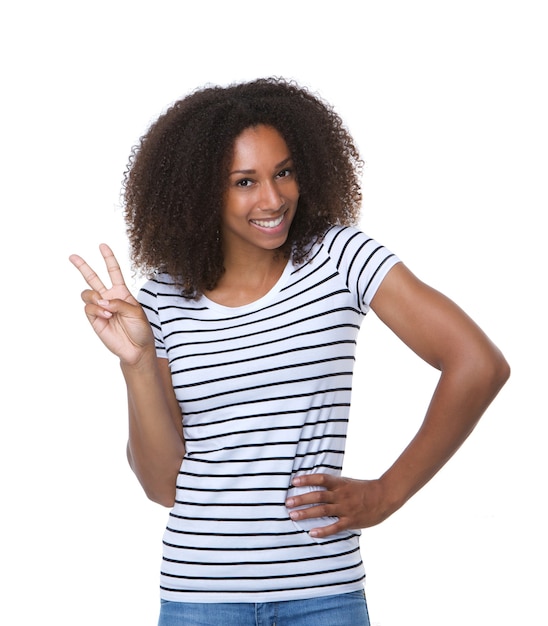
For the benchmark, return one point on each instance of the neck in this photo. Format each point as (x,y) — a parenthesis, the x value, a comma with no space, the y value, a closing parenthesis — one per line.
(246,280)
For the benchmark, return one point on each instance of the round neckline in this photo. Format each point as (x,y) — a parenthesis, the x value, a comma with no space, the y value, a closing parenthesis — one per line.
(275,289)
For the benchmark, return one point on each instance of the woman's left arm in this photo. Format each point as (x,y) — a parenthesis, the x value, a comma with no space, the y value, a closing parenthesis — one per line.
(473,371)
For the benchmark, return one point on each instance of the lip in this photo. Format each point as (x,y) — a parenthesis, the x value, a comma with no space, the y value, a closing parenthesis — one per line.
(272,224)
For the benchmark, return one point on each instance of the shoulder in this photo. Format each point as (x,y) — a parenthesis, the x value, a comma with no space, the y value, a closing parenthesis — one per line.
(347,243)
(158,287)
(339,233)
(359,259)
(334,238)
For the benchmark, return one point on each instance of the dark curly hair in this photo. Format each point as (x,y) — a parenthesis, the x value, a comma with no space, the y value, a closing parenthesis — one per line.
(176,177)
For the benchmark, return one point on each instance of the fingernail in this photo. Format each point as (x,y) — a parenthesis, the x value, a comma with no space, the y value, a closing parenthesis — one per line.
(103,302)
(289,503)
(294,515)
(313,533)
(296,481)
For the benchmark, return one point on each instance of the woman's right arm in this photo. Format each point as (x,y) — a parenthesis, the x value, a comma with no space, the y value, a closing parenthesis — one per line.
(156,445)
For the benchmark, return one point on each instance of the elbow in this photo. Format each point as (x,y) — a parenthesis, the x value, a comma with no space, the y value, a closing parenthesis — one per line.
(164,499)
(491,371)
(158,487)
(479,373)
(158,491)
(504,371)
(499,371)
(160,494)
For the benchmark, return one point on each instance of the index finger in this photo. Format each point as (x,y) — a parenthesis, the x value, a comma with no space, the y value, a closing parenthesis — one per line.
(313,480)
(89,275)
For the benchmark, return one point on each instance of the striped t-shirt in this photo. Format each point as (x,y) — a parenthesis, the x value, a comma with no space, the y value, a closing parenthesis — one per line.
(264,391)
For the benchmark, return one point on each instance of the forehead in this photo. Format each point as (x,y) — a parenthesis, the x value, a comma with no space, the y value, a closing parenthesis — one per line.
(259,143)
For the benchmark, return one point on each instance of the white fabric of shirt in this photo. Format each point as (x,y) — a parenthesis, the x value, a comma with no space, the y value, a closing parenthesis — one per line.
(264,391)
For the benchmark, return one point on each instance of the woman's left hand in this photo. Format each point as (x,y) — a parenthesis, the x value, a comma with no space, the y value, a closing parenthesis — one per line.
(356,503)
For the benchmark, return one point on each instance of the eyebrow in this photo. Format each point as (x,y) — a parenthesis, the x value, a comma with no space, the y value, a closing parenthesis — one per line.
(277,166)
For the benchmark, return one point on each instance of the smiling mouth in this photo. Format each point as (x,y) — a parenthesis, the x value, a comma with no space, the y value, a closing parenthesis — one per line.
(269,223)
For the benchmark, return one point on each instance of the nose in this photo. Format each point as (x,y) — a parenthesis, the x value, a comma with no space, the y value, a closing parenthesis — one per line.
(270,198)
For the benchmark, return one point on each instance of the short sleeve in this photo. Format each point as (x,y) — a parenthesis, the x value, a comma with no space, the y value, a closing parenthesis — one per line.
(148,298)
(362,262)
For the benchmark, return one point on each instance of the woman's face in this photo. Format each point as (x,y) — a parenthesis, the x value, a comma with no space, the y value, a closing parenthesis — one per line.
(262,192)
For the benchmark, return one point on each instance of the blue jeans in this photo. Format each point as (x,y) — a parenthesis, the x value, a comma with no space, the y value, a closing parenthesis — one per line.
(347,609)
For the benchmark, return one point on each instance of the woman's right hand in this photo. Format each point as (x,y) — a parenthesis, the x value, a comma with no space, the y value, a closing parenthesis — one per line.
(115,315)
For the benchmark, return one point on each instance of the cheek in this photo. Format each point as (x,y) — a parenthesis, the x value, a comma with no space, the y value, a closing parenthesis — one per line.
(232,206)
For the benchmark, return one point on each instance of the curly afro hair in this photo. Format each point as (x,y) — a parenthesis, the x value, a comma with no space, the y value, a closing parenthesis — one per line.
(177,174)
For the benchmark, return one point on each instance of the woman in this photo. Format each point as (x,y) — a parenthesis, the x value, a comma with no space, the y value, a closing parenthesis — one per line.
(240,205)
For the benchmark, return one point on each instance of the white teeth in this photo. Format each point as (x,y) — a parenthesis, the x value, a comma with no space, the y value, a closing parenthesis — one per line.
(269,223)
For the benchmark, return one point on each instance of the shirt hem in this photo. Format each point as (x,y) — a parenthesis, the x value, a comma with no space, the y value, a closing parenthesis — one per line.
(210,597)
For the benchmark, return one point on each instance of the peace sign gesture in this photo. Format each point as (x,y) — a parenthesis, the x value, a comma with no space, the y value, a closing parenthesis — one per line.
(115,315)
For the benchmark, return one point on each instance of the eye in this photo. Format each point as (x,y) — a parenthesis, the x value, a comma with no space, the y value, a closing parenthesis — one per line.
(244,182)
(285,173)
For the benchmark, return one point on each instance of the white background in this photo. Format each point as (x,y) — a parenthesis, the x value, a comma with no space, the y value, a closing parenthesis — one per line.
(448,104)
